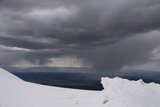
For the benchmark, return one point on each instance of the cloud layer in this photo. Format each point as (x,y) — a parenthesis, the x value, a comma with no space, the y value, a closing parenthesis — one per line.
(106,34)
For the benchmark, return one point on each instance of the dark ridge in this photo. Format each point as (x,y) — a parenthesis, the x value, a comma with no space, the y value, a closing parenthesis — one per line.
(68,80)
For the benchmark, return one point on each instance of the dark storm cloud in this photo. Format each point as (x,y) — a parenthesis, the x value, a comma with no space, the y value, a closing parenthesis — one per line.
(89,29)
(21,43)
(8,57)
(129,51)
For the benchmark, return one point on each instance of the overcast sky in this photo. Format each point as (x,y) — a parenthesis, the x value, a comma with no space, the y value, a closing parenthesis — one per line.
(101,34)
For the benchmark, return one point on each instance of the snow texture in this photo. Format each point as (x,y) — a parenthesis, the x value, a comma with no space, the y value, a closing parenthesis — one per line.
(117,92)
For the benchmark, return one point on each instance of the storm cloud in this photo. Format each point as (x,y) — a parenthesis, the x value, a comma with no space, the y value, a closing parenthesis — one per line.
(105,34)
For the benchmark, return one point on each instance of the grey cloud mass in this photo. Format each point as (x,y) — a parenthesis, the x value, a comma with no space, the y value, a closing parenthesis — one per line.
(108,34)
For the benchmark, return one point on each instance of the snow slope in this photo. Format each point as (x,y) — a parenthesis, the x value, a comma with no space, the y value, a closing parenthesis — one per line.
(118,92)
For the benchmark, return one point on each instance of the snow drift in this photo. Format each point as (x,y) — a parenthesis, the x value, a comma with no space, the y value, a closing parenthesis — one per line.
(117,92)
(130,93)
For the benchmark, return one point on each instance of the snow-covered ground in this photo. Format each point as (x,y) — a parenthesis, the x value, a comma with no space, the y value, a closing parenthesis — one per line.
(117,92)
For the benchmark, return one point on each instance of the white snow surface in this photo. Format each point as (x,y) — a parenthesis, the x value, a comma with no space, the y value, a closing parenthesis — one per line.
(117,92)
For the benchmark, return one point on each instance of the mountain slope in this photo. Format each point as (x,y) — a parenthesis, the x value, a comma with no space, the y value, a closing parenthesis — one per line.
(117,92)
